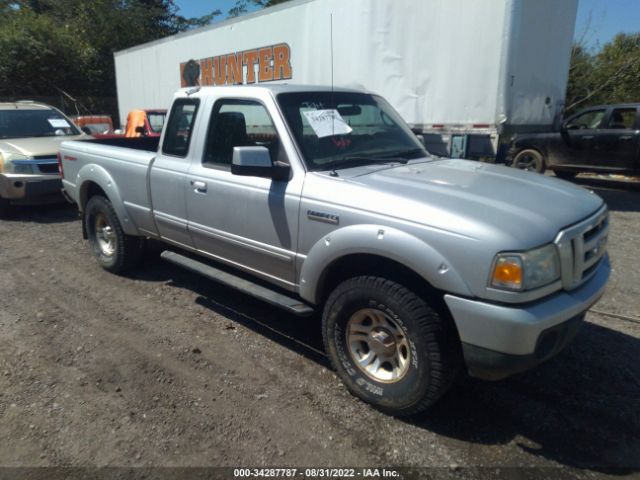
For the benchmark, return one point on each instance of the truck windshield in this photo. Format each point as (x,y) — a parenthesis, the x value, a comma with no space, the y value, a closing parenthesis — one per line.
(21,123)
(343,129)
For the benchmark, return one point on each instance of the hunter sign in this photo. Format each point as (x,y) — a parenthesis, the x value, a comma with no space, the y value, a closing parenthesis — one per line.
(258,65)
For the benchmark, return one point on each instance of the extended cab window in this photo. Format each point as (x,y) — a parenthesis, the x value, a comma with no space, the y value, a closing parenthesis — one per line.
(622,118)
(239,123)
(180,127)
(587,120)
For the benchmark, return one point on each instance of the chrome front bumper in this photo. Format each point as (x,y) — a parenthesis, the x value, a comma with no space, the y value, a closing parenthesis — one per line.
(18,186)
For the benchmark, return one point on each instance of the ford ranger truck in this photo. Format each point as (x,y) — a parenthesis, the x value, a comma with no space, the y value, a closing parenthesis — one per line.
(321,200)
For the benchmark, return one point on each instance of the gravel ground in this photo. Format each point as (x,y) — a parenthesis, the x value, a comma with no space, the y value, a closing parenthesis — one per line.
(161,368)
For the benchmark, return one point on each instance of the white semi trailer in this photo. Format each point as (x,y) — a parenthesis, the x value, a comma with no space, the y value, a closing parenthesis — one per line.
(464,73)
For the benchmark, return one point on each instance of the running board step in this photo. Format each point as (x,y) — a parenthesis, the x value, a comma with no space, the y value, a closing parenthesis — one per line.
(285,302)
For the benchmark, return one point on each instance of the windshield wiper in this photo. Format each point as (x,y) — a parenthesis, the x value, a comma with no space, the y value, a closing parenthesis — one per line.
(359,161)
(406,155)
(352,161)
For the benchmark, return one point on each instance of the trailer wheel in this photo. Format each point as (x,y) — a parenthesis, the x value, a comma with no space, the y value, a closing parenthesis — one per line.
(115,251)
(530,160)
(389,347)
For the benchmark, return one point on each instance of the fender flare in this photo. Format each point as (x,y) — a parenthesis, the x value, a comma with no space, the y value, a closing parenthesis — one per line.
(92,173)
(381,241)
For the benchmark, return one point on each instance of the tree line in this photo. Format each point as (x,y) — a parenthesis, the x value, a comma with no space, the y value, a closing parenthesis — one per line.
(64,48)
(609,75)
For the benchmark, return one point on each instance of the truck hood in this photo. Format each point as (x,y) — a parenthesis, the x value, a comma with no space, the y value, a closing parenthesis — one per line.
(36,146)
(478,200)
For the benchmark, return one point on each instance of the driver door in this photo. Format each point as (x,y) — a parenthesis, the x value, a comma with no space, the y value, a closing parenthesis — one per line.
(578,139)
(248,222)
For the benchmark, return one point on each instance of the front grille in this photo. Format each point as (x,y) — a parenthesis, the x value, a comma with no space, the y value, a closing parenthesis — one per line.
(46,163)
(48,167)
(582,247)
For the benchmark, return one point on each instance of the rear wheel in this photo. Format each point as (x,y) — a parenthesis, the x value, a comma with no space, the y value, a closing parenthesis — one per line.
(388,345)
(114,250)
(530,160)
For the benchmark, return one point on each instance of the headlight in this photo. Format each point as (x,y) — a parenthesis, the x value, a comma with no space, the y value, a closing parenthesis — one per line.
(526,270)
(10,163)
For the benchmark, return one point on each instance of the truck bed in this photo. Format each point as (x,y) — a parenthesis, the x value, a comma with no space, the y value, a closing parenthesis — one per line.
(123,163)
(148,144)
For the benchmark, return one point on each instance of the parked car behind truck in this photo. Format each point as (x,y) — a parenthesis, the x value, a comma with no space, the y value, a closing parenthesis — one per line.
(30,135)
(145,123)
(604,139)
(321,199)
(140,123)
(95,125)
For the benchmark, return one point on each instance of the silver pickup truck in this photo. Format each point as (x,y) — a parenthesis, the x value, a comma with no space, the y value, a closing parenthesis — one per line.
(315,199)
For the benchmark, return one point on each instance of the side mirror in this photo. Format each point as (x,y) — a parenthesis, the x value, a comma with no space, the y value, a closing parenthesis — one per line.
(256,162)
(86,130)
(140,130)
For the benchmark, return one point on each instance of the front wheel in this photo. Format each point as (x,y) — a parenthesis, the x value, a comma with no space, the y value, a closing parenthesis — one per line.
(388,345)
(114,250)
(530,160)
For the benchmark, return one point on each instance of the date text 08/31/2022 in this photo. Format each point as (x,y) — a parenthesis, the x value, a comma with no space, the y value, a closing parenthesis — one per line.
(315,473)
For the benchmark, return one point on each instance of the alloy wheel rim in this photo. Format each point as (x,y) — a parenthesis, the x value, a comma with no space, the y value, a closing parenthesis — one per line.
(105,235)
(527,162)
(377,345)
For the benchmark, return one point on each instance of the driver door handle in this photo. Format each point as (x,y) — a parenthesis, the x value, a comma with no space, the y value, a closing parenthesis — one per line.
(199,186)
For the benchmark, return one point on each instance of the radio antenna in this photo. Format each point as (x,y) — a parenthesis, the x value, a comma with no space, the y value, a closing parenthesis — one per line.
(331,40)
(333,119)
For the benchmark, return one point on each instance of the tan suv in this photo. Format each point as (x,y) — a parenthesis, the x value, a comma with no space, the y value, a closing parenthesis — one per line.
(30,136)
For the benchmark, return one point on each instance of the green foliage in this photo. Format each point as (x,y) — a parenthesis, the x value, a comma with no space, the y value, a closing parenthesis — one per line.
(242,6)
(608,76)
(32,50)
(51,45)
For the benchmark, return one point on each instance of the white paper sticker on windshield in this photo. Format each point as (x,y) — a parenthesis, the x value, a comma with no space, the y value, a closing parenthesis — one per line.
(327,123)
(58,123)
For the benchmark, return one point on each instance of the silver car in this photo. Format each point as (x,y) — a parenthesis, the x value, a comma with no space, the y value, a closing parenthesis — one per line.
(324,197)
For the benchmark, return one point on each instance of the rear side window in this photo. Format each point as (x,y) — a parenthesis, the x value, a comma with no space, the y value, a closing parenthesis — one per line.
(180,127)
(622,119)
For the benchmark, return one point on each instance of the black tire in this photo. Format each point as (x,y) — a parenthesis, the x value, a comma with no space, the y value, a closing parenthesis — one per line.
(530,160)
(123,251)
(432,357)
(565,175)
(5,207)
